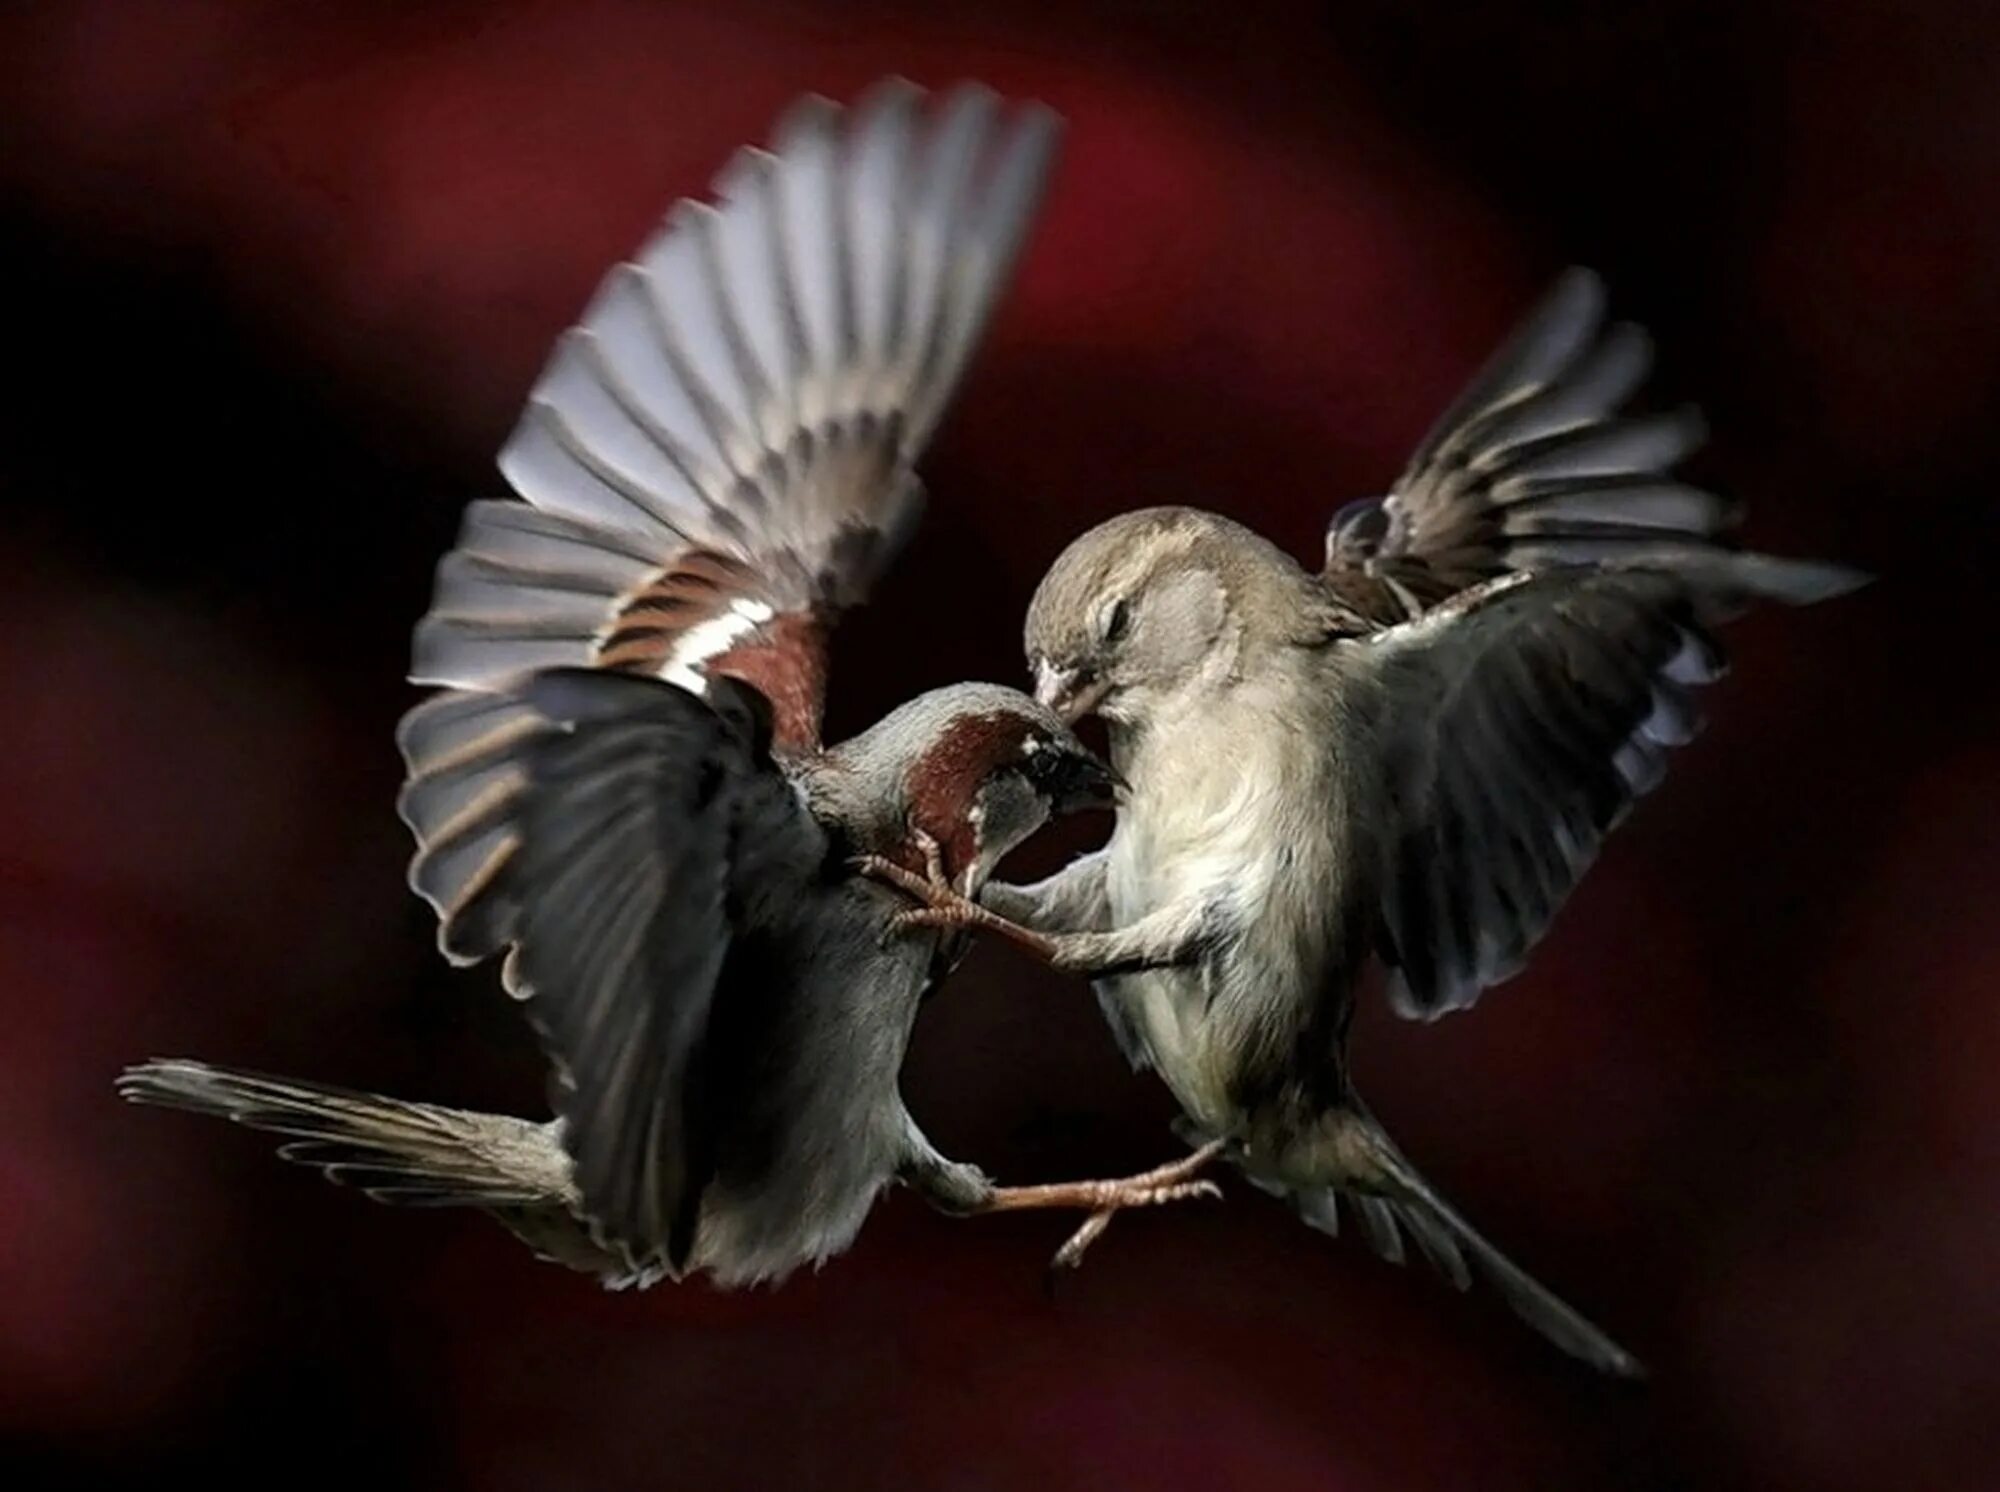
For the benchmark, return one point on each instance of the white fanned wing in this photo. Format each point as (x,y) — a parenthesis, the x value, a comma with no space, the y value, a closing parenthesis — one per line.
(719,457)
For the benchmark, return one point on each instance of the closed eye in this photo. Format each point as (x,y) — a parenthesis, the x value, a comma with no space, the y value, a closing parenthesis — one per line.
(1117,617)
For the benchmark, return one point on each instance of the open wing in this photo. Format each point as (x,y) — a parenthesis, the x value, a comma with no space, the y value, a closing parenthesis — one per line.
(1510,730)
(718,459)
(1535,467)
(601,828)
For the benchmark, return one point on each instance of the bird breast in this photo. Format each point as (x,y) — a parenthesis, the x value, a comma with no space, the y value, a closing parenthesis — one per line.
(1236,806)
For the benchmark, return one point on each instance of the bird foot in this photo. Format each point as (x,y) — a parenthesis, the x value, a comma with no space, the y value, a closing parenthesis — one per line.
(1070,1255)
(942,905)
(1104,1200)
(934,881)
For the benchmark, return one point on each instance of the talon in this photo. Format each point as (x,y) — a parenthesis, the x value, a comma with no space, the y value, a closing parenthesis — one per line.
(933,854)
(1070,1255)
(931,890)
(1158,1194)
(1104,1200)
(879,869)
(1187,1191)
(940,905)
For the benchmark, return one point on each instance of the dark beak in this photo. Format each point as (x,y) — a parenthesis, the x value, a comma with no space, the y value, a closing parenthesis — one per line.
(1080,778)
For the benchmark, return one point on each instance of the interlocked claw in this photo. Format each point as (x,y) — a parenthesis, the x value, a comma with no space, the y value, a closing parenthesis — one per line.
(1070,1255)
(941,904)
(1173,1182)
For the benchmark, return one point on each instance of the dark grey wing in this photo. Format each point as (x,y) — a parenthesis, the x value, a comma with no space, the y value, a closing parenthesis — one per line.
(1508,732)
(719,458)
(597,825)
(1537,466)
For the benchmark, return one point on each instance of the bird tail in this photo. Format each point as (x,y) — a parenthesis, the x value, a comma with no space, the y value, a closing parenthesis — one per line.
(1390,1198)
(416,1154)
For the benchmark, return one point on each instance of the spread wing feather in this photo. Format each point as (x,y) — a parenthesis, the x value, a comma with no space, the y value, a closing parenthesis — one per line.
(1536,466)
(719,457)
(595,826)
(1509,731)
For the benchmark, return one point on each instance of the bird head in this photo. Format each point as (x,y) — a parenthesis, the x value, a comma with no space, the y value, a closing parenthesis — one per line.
(984,767)
(1141,609)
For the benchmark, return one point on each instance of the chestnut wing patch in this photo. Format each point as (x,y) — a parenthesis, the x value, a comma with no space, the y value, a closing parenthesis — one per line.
(720,456)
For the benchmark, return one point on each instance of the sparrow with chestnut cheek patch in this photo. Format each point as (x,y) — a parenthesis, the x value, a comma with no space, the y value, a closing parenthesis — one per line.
(1410,756)
(621,785)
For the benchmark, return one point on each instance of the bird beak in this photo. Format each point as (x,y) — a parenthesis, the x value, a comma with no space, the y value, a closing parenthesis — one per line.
(1067,691)
(1083,779)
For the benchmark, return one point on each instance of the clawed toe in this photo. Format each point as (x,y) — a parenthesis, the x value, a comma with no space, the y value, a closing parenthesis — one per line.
(939,904)
(877,868)
(1186,1191)
(1155,1194)
(1070,1255)
(1118,1197)
(931,890)
(933,854)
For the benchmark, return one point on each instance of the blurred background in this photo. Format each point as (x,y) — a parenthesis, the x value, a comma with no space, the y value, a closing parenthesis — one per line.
(281,277)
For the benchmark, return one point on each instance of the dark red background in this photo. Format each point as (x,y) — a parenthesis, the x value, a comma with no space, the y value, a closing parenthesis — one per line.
(280,278)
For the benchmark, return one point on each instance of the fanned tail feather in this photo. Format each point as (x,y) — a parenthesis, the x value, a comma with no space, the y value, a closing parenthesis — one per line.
(1395,1199)
(415,1154)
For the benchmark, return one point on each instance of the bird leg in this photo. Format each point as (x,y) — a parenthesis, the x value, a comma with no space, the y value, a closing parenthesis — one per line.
(941,904)
(1074,899)
(1173,935)
(1104,1200)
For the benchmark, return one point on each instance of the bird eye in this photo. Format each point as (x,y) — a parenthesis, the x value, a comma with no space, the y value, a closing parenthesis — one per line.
(1117,616)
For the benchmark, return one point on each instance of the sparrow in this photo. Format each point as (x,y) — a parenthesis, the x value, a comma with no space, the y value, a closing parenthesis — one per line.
(1407,757)
(621,785)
